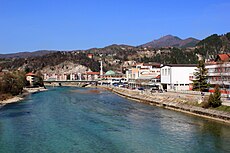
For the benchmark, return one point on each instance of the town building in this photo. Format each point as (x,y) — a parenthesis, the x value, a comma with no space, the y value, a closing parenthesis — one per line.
(144,71)
(177,76)
(219,72)
(111,77)
(92,76)
(90,55)
(32,79)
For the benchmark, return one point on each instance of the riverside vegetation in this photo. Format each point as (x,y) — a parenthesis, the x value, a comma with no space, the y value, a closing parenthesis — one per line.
(12,84)
(200,84)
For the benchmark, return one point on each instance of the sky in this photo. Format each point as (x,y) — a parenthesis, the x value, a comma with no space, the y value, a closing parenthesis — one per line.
(30,25)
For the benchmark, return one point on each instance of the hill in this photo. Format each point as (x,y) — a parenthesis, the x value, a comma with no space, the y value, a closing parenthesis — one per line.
(49,60)
(114,56)
(26,54)
(171,41)
(214,44)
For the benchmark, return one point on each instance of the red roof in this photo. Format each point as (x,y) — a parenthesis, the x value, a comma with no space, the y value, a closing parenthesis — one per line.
(30,74)
(224,57)
(158,77)
(93,73)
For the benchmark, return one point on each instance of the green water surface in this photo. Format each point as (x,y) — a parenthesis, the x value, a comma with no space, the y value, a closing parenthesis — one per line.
(68,119)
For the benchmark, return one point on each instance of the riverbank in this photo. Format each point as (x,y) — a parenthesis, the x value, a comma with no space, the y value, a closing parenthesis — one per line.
(177,102)
(22,96)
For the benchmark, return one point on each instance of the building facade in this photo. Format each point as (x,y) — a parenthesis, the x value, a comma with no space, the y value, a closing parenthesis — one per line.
(143,71)
(177,76)
(219,73)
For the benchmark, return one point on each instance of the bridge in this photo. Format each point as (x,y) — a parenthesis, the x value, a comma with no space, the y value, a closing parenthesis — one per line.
(81,83)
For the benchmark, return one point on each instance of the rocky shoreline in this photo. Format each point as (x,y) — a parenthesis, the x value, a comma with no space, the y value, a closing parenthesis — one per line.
(21,97)
(169,102)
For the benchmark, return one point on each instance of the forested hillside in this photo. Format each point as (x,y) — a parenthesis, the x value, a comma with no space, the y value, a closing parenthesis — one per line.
(52,59)
(214,44)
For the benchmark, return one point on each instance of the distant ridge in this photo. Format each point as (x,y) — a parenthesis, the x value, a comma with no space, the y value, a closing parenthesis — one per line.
(26,54)
(172,41)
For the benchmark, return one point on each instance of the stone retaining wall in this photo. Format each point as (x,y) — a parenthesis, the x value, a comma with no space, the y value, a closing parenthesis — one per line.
(171,103)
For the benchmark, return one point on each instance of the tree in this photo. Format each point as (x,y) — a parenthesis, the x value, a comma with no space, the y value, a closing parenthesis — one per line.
(200,81)
(215,101)
(13,83)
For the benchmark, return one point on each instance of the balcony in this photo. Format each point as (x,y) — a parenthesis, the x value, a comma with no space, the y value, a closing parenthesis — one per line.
(218,74)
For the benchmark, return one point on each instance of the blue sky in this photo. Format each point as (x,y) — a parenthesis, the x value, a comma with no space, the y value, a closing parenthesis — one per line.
(29,25)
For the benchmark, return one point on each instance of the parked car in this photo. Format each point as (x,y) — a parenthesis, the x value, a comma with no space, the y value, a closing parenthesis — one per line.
(140,88)
(121,85)
(115,84)
(160,90)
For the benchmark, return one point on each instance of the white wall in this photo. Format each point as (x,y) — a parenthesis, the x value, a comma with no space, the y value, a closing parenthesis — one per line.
(177,77)
(180,75)
(165,77)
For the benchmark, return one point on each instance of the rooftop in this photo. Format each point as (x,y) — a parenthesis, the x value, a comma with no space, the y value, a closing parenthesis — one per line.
(223,57)
(110,72)
(93,73)
(180,65)
(30,74)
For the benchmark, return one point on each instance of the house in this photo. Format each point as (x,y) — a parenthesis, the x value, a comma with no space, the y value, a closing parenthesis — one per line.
(223,57)
(129,63)
(32,79)
(219,72)
(90,56)
(177,76)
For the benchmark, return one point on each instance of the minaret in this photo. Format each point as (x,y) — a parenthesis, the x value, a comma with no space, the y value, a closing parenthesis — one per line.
(101,71)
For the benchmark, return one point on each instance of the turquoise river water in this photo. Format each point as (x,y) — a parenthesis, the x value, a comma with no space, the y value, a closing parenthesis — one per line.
(68,119)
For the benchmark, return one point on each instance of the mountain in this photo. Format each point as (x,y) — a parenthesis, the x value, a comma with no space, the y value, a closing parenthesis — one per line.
(171,41)
(111,49)
(26,54)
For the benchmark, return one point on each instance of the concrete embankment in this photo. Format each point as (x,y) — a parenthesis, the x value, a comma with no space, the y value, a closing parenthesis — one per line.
(171,102)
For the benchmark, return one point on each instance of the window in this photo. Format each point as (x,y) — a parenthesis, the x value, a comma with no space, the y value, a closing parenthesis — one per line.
(168,71)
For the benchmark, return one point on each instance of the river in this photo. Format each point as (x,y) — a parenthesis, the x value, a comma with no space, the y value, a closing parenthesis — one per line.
(68,119)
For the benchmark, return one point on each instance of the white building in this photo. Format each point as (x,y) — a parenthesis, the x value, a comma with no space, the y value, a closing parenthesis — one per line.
(177,76)
(143,71)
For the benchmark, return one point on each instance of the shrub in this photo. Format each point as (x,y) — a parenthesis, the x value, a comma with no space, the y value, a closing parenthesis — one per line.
(12,83)
(215,99)
(205,105)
